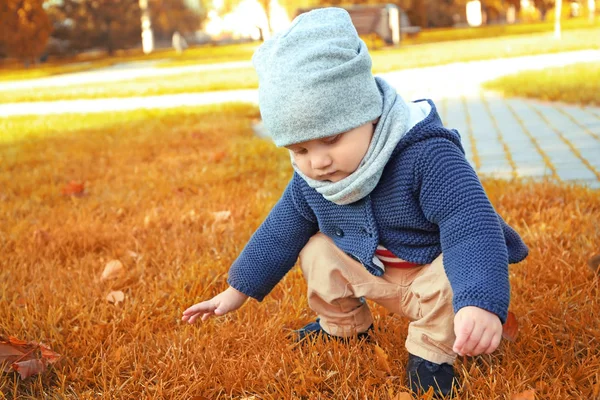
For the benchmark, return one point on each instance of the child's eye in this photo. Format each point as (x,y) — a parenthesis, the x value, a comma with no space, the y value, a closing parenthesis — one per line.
(332,139)
(300,151)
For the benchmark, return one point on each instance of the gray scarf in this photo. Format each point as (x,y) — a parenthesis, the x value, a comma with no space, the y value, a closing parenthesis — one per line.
(392,126)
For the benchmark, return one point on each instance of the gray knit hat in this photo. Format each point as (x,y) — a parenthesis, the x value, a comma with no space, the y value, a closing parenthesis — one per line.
(315,79)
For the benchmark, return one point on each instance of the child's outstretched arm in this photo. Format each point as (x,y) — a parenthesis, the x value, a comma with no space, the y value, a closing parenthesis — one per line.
(224,302)
(269,255)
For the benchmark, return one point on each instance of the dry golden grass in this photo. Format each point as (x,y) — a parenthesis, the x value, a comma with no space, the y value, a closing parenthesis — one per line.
(153,180)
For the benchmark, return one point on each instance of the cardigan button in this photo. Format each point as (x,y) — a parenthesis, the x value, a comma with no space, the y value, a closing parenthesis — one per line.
(339,232)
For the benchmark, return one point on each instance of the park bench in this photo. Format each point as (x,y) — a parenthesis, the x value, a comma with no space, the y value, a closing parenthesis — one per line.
(387,21)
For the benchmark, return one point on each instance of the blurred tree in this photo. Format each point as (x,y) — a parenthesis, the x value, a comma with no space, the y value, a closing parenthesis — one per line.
(109,24)
(292,6)
(169,16)
(543,6)
(266,5)
(25,28)
(230,5)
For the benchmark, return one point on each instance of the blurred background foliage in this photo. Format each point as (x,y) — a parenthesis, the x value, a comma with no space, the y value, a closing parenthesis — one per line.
(33,30)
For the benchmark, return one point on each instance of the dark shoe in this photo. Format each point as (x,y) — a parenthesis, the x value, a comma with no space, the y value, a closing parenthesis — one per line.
(314,330)
(423,374)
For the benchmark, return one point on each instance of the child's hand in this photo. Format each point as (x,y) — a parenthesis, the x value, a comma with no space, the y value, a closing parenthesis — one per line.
(228,300)
(477,331)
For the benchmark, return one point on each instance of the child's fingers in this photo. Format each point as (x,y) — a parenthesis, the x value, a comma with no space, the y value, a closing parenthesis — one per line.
(484,342)
(206,316)
(462,330)
(205,306)
(193,318)
(473,341)
(494,344)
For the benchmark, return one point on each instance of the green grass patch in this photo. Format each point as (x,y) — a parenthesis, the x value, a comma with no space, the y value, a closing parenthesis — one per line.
(578,84)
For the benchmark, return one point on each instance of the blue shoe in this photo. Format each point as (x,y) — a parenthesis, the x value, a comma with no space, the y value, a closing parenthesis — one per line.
(423,374)
(314,330)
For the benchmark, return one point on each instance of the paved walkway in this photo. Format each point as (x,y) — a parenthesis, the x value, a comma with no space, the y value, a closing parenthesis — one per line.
(502,137)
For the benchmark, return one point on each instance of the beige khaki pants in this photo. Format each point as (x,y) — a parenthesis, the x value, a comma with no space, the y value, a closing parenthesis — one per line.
(337,283)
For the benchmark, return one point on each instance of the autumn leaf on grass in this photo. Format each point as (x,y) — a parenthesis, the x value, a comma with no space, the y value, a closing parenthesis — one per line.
(221,221)
(382,359)
(115,297)
(221,216)
(74,188)
(596,390)
(29,367)
(510,329)
(218,156)
(594,263)
(113,269)
(403,396)
(526,395)
(27,358)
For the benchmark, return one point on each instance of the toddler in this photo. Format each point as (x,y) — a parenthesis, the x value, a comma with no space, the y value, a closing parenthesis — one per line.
(383,205)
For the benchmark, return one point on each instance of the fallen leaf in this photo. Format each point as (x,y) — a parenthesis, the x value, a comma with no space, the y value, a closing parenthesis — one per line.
(21,301)
(115,297)
(113,269)
(134,255)
(41,237)
(29,367)
(153,217)
(9,354)
(48,354)
(74,188)
(218,156)
(190,217)
(331,374)
(594,264)
(510,329)
(18,342)
(526,395)
(221,222)
(382,359)
(221,216)
(403,396)
(116,356)
(27,358)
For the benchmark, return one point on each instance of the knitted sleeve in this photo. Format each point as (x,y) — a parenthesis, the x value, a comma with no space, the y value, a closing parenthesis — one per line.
(473,244)
(274,248)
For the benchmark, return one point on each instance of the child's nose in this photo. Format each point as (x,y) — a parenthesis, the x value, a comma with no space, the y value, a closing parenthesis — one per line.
(321,161)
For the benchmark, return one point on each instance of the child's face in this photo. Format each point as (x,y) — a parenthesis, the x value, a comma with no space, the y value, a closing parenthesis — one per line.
(333,158)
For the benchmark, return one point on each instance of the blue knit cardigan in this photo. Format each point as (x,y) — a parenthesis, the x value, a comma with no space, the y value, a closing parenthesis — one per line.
(429,201)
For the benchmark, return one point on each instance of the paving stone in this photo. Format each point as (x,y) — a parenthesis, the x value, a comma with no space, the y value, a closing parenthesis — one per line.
(569,173)
(557,132)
